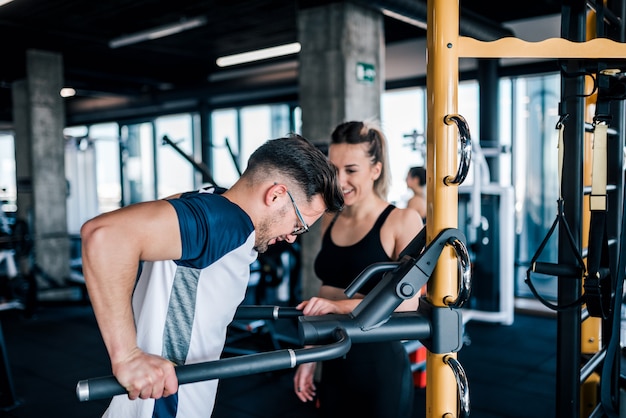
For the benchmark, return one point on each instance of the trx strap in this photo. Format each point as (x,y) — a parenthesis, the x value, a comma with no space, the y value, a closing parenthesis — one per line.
(562,270)
(598,283)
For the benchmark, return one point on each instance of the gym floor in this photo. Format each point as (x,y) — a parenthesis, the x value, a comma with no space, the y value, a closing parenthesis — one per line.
(510,369)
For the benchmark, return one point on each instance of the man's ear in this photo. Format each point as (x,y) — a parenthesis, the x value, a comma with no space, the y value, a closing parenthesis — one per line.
(273,193)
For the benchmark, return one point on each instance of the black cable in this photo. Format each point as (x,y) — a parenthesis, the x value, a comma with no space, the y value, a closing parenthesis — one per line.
(607,381)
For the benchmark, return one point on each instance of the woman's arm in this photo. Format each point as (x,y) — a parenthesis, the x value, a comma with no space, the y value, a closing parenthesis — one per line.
(406,223)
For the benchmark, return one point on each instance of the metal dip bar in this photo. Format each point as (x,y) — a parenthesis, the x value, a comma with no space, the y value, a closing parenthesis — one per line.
(400,326)
(439,329)
(108,386)
(408,276)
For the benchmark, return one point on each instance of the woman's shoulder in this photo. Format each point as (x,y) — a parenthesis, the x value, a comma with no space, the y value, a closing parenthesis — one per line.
(403,217)
(401,227)
(405,213)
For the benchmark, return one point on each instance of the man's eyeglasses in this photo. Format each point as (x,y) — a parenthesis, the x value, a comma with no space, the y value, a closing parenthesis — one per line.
(300,229)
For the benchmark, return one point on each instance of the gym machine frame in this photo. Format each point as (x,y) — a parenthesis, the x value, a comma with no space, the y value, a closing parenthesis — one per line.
(445,48)
(438,328)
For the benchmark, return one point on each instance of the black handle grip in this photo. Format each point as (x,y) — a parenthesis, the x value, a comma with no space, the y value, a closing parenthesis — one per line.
(560,270)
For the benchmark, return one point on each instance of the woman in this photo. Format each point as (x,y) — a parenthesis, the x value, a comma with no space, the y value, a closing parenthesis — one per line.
(373,379)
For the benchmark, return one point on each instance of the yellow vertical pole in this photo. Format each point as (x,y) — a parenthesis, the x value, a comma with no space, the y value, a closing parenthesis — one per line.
(441,161)
(591,328)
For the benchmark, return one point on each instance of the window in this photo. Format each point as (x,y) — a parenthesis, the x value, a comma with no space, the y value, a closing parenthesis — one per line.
(8,188)
(403,122)
(237,132)
(174,172)
(535,101)
(225,146)
(106,141)
(138,181)
(92,170)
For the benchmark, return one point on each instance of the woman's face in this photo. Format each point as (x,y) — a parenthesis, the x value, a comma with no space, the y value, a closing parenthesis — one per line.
(356,171)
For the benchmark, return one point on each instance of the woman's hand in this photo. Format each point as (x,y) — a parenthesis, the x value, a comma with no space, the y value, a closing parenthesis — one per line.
(322,306)
(317,306)
(303,384)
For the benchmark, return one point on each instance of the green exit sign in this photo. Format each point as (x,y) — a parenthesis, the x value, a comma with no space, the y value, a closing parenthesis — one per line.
(365,73)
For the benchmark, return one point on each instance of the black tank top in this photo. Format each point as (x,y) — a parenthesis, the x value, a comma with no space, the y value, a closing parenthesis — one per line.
(339,266)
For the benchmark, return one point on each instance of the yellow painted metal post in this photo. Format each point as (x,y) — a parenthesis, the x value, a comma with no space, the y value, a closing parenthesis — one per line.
(591,328)
(441,161)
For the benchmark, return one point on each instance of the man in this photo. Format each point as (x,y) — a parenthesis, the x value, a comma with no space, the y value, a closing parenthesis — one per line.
(196,250)
(416,181)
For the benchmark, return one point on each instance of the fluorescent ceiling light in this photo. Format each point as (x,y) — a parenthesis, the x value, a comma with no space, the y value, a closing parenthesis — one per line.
(158,32)
(259,54)
(404,18)
(68,92)
(3,2)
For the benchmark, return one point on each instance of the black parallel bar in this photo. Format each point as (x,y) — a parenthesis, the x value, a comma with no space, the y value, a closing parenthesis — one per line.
(400,326)
(402,283)
(108,386)
(366,274)
(266,312)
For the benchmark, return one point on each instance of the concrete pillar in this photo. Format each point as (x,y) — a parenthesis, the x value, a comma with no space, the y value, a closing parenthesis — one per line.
(39,119)
(341,78)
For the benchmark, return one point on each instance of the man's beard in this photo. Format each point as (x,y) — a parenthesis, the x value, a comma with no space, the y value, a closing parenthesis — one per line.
(262,231)
(262,237)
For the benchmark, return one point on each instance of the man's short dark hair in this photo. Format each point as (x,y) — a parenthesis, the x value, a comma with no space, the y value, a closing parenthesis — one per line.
(419,172)
(297,158)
